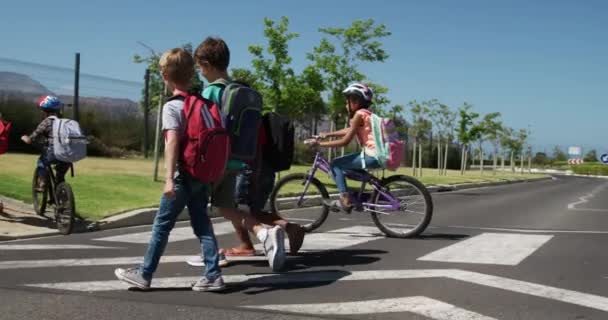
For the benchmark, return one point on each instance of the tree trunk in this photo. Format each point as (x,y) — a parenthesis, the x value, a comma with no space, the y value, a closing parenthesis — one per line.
(414,166)
(462,152)
(521,163)
(445,159)
(502,161)
(439,157)
(480,159)
(511,163)
(420,159)
(466,159)
(495,164)
(529,162)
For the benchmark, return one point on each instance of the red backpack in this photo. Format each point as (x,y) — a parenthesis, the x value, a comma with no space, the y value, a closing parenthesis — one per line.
(205,147)
(5,127)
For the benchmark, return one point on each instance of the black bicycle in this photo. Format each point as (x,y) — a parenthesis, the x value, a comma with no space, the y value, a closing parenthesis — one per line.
(59,195)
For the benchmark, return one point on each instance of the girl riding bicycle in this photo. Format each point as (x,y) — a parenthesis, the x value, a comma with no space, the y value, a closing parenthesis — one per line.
(358,100)
(51,107)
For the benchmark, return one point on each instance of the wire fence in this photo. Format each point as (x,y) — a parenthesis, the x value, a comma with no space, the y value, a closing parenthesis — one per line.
(109,109)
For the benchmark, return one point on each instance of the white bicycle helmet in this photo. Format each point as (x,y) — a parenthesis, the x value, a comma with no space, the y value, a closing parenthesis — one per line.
(361,90)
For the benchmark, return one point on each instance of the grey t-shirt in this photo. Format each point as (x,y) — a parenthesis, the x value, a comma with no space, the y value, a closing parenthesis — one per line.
(173,116)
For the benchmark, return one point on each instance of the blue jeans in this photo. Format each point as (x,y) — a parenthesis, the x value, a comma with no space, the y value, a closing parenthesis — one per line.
(254,189)
(351,161)
(194,194)
(47,157)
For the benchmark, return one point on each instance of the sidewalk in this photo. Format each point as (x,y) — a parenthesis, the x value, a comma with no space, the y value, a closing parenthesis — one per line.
(19,221)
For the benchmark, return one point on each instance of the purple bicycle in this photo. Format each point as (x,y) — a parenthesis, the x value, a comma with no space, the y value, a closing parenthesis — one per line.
(400,205)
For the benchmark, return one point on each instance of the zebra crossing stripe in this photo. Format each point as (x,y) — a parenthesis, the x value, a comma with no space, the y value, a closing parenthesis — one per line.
(497,282)
(420,305)
(332,240)
(51,247)
(177,234)
(490,248)
(52,263)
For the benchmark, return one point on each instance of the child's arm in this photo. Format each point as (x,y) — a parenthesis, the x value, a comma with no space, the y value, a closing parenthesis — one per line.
(42,127)
(348,135)
(171,150)
(335,134)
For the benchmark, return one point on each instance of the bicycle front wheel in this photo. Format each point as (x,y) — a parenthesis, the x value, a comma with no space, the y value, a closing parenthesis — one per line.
(65,209)
(300,200)
(39,198)
(411,211)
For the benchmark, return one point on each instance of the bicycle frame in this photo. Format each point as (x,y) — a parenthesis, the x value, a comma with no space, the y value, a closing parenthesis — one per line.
(322,164)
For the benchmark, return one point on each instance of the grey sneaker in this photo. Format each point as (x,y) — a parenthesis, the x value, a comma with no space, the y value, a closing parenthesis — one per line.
(204,284)
(274,248)
(133,277)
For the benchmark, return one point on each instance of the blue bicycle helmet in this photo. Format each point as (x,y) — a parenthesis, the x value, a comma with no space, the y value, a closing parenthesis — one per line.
(49,103)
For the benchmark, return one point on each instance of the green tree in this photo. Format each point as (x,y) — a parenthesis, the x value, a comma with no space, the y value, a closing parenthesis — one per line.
(274,72)
(421,125)
(339,64)
(559,154)
(443,122)
(507,141)
(591,156)
(465,123)
(247,76)
(492,128)
(540,159)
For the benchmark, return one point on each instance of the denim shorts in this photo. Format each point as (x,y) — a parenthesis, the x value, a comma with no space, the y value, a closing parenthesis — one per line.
(254,191)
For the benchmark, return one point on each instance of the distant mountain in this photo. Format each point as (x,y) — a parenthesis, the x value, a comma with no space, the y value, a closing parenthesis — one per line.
(16,82)
(16,86)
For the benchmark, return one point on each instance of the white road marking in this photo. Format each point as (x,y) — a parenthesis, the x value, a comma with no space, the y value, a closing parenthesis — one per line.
(337,239)
(490,248)
(423,306)
(524,230)
(177,234)
(120,261)
(585,199)
(51,247)
(502,283)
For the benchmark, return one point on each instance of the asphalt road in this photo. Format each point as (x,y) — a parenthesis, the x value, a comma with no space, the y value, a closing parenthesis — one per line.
(524,251)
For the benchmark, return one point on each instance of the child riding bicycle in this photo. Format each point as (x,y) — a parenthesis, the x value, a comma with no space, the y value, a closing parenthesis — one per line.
(358,100)
(51,108)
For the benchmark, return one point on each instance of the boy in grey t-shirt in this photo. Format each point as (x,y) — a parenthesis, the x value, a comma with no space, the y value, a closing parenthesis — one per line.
(180,190)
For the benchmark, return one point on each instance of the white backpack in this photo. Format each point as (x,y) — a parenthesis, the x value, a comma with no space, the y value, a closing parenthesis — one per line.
(69,144)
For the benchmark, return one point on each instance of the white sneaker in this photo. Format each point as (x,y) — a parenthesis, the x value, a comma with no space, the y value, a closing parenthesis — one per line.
(198,261)
(274,248)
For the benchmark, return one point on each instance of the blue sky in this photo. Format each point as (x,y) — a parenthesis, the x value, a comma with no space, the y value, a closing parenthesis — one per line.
(540,63)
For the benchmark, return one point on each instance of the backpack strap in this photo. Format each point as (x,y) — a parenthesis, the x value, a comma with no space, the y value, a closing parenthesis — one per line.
(363,165)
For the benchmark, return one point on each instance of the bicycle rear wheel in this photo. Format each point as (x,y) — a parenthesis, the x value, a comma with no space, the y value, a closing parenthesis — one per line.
(64,208)
(39,198)
(298,203)
(414,212)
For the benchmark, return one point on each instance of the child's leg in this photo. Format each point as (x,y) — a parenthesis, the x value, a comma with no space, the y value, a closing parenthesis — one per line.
(42,163)
(61,169)
(351,161)
(203,228)
(164,222)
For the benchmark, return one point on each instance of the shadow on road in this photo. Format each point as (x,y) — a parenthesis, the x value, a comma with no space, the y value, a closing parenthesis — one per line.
(443,236)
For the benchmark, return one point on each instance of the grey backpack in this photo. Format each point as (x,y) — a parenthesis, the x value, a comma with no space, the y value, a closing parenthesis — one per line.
(242,106)
(69,144)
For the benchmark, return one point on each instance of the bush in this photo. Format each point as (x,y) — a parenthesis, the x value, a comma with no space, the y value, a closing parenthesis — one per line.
(591,169)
